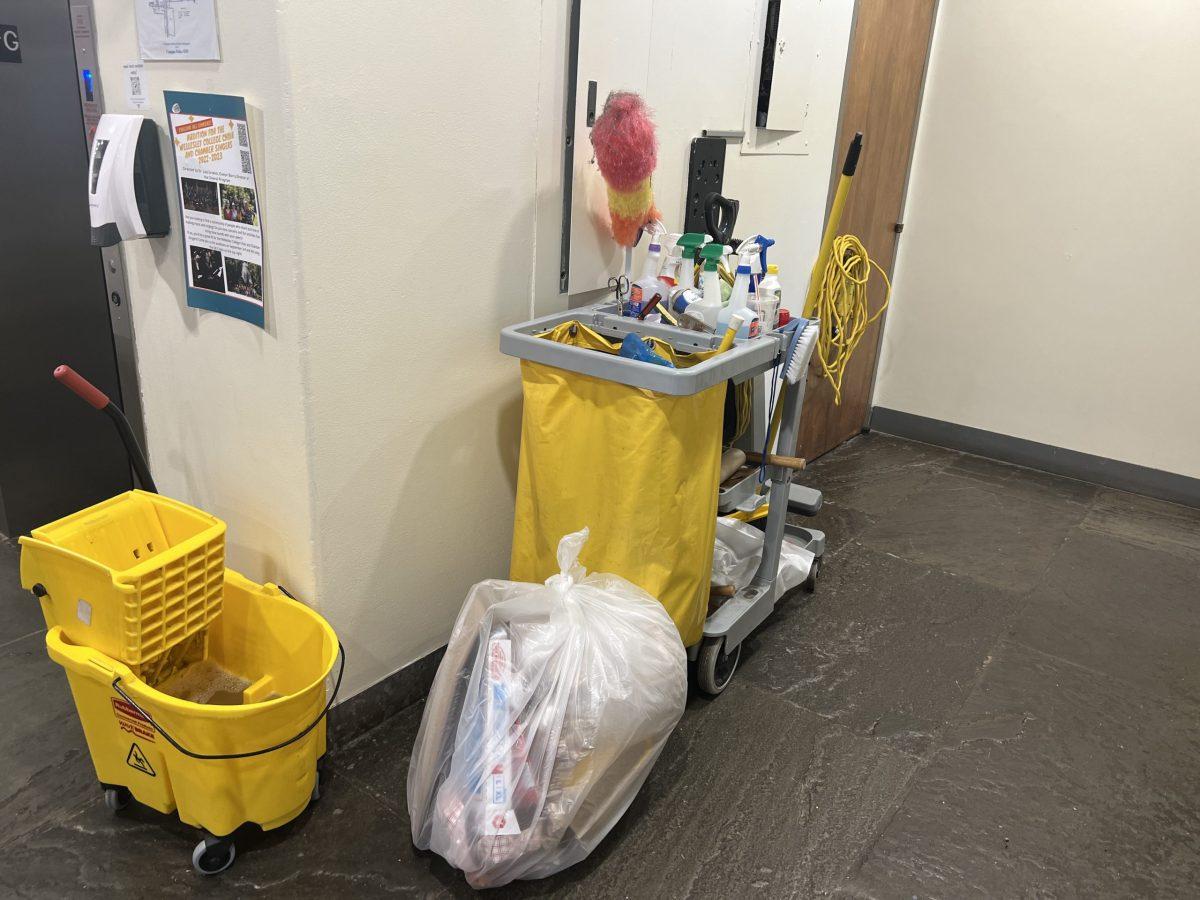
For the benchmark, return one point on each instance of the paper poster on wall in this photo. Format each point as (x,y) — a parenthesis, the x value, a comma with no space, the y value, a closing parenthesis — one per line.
(219,204)
(177,29)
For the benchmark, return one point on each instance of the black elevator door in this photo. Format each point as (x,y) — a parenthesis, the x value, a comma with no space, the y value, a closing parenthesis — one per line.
(57,454)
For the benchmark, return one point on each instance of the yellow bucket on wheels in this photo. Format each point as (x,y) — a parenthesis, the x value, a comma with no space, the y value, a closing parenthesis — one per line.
(249,759)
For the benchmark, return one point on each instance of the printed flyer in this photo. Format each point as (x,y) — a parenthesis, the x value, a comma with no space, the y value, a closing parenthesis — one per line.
(219,204)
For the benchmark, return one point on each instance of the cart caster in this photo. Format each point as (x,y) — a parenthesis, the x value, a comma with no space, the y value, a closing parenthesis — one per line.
(117,798)
(213,855)
(316,791)
(715,667)
(810,583)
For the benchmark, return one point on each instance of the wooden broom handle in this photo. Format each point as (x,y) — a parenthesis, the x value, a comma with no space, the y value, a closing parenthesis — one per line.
(773,459)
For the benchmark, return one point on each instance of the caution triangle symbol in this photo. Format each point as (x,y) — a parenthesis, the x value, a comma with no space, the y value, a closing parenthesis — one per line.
(137,759)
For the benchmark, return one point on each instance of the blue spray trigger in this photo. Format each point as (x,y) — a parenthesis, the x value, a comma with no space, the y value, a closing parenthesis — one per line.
(633,347)
(765,243)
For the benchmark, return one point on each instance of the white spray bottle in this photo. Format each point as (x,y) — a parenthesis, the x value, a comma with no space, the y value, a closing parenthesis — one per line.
(740,295)
(706,309)
(642,291)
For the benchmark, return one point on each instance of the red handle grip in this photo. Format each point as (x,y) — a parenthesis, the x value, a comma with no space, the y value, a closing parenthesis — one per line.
(81,387)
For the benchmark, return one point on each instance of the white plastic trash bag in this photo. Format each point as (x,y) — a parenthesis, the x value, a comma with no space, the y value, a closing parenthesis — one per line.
(738,550)
(548,710)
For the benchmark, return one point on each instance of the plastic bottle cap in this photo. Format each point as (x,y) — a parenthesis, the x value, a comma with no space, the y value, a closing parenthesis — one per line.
(784,318)
(772,269)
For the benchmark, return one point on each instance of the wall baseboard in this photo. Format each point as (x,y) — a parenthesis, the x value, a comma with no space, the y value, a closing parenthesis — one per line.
(398,691)
(1112,473)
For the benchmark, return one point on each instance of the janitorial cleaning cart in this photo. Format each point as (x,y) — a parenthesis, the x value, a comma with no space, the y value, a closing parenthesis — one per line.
(632,449)
(650,413)
(200,692)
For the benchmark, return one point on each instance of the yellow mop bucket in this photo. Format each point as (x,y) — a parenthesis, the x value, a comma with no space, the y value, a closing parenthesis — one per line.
(245,756)
(199,691)
(638,467)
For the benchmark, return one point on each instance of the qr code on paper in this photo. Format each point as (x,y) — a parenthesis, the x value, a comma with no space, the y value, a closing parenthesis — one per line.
(246,169)
(243,137)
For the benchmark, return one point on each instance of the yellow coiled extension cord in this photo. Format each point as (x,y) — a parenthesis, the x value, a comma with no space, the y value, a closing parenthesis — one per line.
(841,305)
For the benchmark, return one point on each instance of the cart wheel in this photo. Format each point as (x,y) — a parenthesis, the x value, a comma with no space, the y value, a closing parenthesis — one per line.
(715,667)
(117,798)
(810,583)
(213,855)
(316,791)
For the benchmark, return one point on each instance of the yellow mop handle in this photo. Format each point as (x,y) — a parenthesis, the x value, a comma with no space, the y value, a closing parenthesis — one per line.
(831,225)
(818,273)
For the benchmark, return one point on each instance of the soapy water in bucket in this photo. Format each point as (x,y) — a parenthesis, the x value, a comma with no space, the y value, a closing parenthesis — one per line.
(206,682)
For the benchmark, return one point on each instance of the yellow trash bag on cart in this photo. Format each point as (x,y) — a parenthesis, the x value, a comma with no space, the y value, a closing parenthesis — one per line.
(636,467)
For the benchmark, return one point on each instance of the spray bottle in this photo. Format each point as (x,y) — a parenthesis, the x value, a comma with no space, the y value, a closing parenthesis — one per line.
(708,307)
(684,294)
(642,291)
(670,268)
(740,295)
(758,265)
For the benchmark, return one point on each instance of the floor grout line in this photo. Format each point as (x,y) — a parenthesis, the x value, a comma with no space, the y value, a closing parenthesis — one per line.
(23,637)
(1169,700)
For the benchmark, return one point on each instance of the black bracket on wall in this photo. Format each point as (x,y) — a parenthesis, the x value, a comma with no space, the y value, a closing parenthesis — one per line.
(706,175)
(591,107)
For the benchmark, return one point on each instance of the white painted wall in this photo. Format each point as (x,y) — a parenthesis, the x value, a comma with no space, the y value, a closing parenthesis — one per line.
(364,448)
(223,401)
(1045,284)
(404,142)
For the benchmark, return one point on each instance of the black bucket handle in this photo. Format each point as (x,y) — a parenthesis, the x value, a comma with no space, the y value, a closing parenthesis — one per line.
(186,752)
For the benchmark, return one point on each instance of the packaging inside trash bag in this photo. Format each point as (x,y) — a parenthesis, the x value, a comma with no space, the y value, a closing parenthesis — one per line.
(546,715)
(737,551)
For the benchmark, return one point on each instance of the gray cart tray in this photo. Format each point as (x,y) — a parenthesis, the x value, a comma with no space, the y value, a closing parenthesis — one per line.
(744,360)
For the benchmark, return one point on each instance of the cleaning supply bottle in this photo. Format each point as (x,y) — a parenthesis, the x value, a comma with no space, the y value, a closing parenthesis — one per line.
(770,294)
(642,291)
(670,267)
(684,293)
(687,245)
(708,307)
(758,265)
(740,296)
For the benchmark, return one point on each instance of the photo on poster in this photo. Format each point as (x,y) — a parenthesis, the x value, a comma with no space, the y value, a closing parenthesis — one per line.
(200,196)
(208,269)
(238,204)
(243,277)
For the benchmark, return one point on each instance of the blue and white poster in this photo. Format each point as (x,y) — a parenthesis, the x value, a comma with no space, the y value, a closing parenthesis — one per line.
(219,204)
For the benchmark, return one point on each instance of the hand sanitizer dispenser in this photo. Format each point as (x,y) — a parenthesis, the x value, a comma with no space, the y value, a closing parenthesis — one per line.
(127,195)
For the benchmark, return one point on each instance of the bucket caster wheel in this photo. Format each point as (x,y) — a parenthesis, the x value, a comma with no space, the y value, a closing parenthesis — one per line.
(213,855)
(715,667)
(316,791)
(117,798)
(810,583)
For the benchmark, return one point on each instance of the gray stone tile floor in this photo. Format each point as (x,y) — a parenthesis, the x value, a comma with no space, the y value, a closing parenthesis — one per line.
(992,693)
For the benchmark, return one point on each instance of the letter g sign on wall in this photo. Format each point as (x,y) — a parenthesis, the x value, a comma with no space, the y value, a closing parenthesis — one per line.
(10,44)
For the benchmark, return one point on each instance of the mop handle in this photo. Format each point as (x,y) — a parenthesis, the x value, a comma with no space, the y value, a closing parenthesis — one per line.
(97,399)
(81,387)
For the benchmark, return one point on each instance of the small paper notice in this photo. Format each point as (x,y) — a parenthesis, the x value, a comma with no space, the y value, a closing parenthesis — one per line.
(136,94)
(177,29)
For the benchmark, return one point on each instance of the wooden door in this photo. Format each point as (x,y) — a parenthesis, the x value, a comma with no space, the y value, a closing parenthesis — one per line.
(885,73)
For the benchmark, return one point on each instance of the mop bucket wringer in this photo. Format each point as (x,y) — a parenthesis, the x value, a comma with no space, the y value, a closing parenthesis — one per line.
(200,692)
